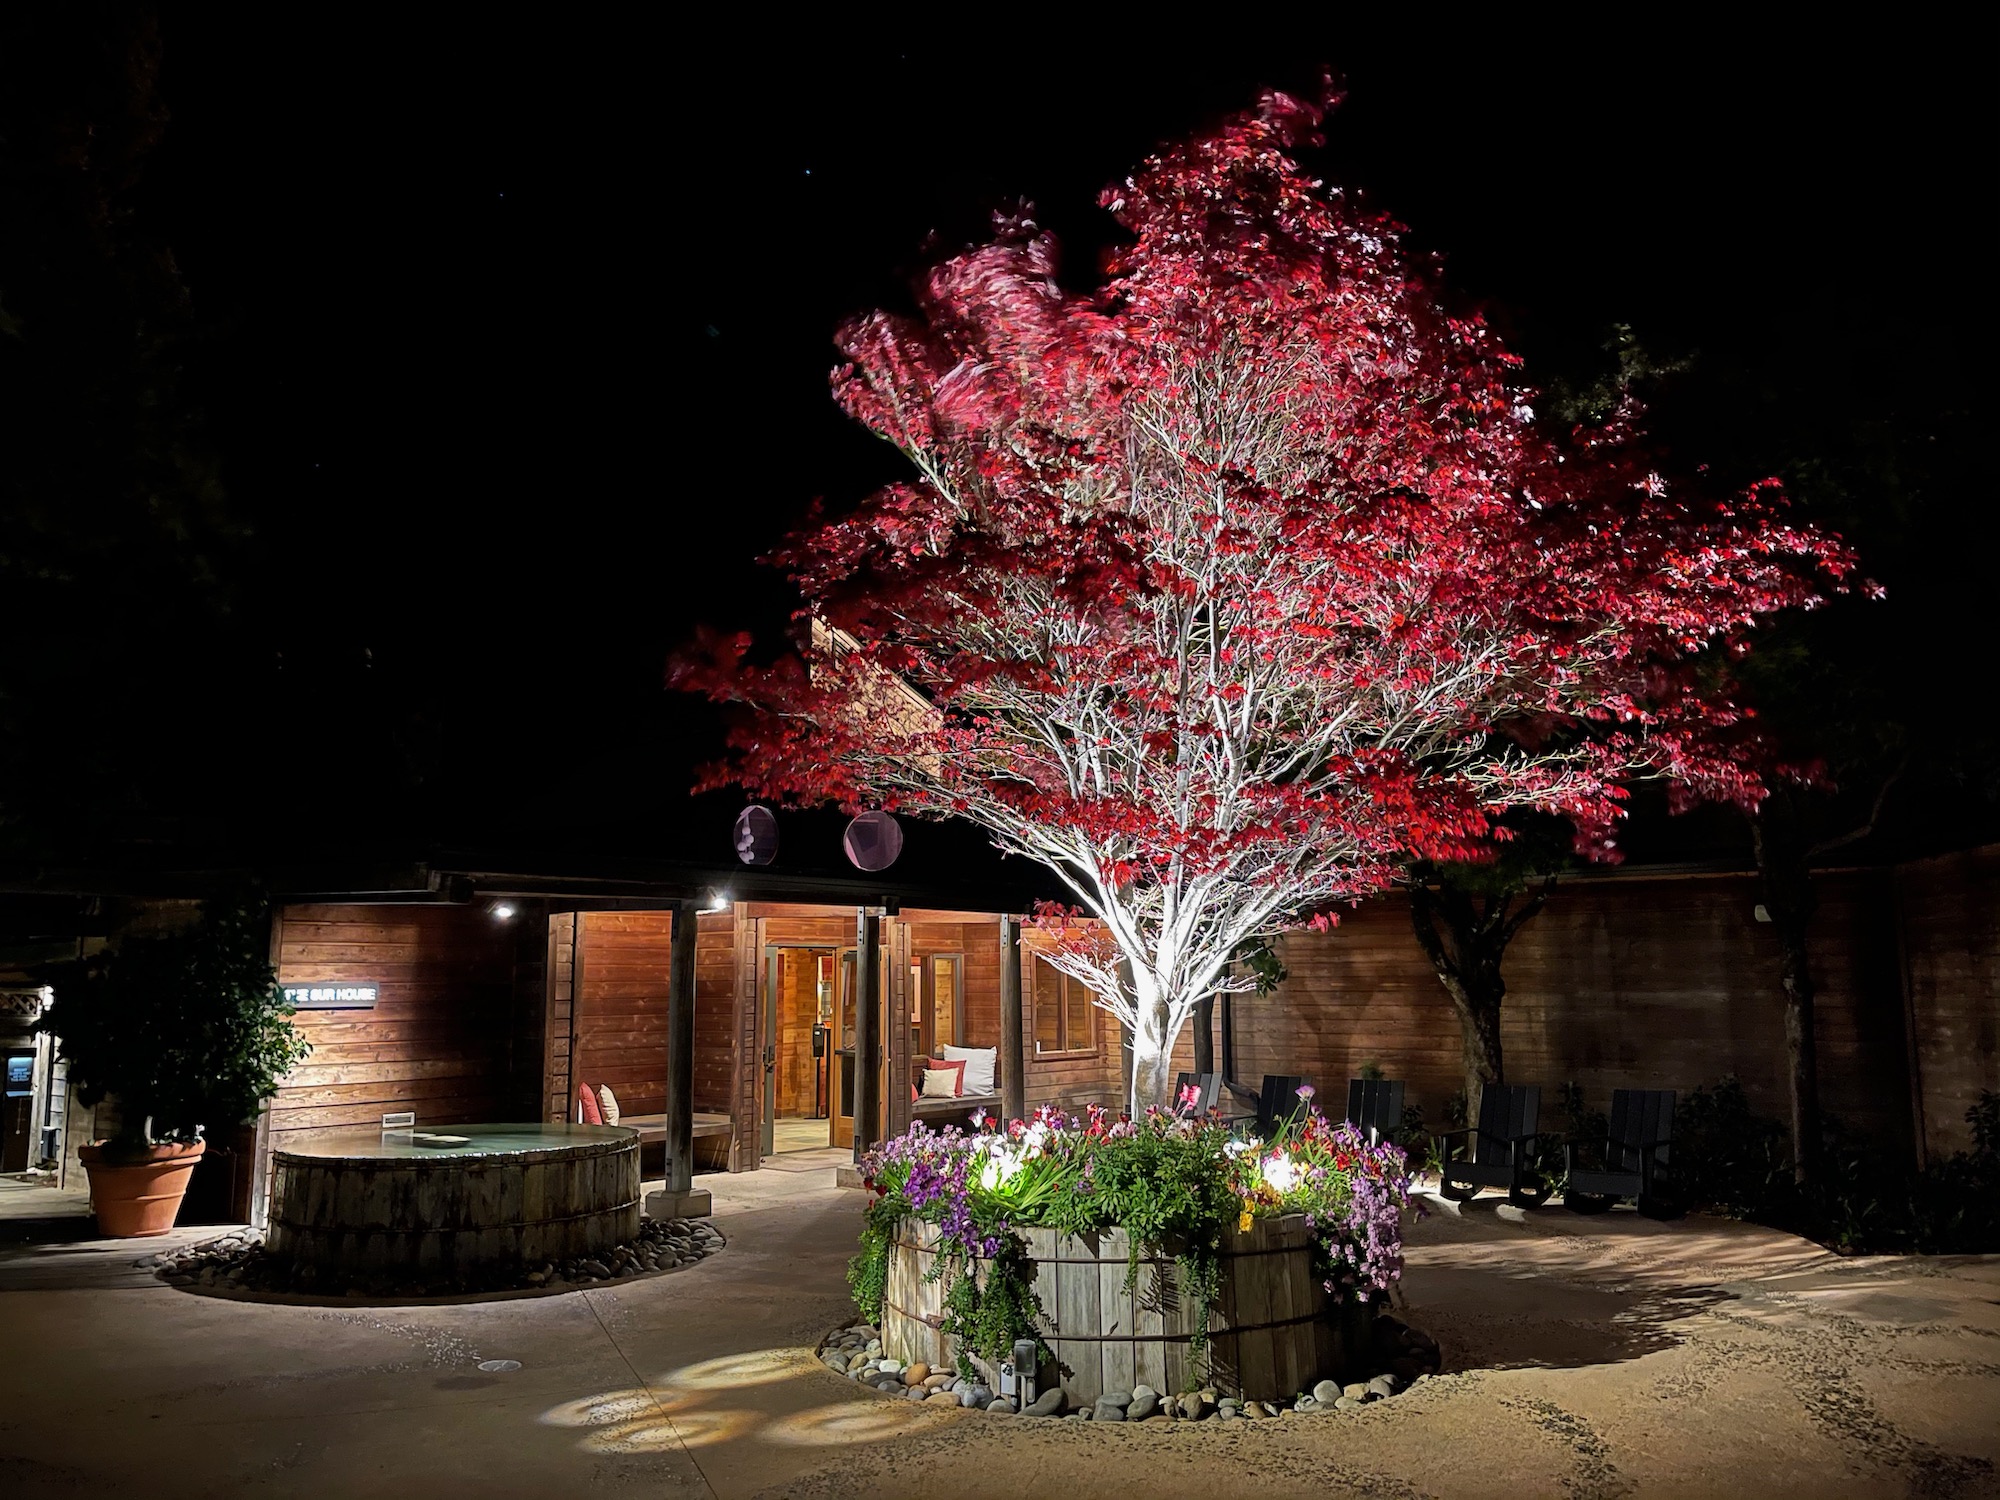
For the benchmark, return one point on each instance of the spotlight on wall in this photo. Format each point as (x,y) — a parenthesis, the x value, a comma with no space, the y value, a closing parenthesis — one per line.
(503,911)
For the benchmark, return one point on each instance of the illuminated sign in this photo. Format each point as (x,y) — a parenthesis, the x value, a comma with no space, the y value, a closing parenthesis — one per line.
(347,994)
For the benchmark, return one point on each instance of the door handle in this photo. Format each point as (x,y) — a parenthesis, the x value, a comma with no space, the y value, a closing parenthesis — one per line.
(770,1057)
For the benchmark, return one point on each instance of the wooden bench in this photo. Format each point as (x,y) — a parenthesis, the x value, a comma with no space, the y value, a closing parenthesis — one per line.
(652,1131)
(654,1127)
(938,1113)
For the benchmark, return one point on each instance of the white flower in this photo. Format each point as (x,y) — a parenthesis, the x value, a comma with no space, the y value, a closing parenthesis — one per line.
(1000,1165)
(1281,1173)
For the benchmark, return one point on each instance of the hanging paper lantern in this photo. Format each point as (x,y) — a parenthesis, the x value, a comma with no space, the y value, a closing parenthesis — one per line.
(873,841)
(756,836)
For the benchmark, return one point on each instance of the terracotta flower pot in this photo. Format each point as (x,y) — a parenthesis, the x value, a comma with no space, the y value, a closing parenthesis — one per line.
(135,1198)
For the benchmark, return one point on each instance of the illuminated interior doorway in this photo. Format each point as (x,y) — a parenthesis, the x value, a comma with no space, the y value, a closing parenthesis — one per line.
(799,1077)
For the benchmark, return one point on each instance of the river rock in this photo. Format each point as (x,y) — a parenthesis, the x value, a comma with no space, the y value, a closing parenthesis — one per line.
(1108,1411)
(976,1395)
(1381,1387)
(1145,1402)
(1346,1403)
(1048,1404)
(1326,1393)
(1000,1406)
(916,1374)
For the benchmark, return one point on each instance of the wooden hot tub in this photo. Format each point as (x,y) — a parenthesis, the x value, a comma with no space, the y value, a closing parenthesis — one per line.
(1273,1331)
(354,1202)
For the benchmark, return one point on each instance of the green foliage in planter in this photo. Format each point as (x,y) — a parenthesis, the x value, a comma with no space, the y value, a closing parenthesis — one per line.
(868,1272)
(988,1314)
(187,1030)
(1163,1190)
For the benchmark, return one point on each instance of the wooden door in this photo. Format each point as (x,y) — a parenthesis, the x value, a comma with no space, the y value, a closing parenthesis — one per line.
(17,1111)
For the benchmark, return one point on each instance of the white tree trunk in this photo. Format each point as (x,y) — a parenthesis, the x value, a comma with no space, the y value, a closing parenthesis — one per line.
(1158,1026)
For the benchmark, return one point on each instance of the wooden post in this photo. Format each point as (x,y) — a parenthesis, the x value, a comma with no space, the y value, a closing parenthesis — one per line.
(1013,1049)
(679,1200)
(1228,1038)
(896,1039)
(867,1031)
(680,1049)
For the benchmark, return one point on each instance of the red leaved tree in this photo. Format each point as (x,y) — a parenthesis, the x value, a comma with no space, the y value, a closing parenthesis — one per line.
(1245,579)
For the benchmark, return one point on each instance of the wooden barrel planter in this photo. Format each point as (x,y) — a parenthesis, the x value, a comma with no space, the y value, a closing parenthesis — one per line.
(512,1195)
(1273,1332)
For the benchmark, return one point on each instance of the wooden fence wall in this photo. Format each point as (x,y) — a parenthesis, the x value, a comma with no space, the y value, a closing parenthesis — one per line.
(1950,921)
(1671,983)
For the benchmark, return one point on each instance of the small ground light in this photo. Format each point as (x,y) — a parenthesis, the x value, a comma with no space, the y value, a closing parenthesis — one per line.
(503,911)
(499,1366)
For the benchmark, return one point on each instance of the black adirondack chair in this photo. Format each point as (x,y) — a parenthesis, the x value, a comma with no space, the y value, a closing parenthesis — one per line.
(1375,1106)
(1206,1086)
(1634,1157)
(1278,1102)
(1499,1151)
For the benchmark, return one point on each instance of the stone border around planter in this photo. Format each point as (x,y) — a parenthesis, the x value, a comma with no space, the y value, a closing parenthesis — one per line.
(1408,1357)
(238,1265)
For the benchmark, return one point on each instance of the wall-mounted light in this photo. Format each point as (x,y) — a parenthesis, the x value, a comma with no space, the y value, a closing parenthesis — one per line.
(503,911)
(717,901)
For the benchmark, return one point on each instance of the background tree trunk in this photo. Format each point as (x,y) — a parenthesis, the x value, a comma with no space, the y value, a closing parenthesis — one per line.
(1479,1026)
(1465,940)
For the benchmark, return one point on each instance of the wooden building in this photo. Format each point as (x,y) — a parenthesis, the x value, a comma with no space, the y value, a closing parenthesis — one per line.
(483,996)
(501,1008)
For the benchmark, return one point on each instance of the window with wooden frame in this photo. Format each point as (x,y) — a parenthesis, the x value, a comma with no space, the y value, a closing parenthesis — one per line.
(1065,1013)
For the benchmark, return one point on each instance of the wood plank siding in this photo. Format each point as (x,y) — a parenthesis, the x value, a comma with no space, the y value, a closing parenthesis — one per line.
(447,1038)
(621,1005)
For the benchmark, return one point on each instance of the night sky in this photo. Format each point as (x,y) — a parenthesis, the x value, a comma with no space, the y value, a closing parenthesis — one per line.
(516,335)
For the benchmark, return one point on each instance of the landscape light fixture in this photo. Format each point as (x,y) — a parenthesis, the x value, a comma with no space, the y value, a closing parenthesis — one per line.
(503,911)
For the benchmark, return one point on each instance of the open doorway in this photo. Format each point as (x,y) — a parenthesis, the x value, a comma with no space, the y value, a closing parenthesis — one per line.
(799,993)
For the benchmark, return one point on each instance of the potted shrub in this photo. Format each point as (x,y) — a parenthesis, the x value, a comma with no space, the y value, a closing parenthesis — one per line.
(183,1030)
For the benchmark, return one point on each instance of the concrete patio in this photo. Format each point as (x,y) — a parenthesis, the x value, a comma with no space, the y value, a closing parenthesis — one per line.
(1584,1357)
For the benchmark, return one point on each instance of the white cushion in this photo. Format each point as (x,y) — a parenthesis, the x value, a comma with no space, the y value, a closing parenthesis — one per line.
(609,1103)
(979,1065)
(940,1083)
